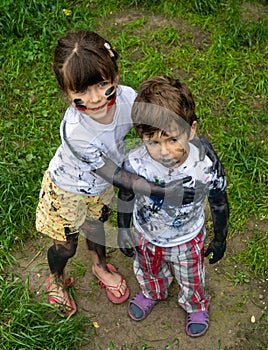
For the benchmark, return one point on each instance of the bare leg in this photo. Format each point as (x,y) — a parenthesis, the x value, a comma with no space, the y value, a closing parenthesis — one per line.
(95,238)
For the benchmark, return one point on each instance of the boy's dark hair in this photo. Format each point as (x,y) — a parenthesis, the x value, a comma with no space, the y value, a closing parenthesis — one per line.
(161,103)
(82,59)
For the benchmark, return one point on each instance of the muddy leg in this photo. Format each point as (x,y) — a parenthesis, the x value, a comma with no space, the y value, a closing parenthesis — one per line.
(95,239)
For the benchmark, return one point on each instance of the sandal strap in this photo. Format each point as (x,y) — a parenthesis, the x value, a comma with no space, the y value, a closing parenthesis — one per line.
(201,317)
(111,288)
(198,317)
(143,303)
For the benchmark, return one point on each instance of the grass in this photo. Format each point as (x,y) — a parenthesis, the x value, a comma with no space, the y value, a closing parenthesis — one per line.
(27,324)
(257,250)
(173,345)
(217,48)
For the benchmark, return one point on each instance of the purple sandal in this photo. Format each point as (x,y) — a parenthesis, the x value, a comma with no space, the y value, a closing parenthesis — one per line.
(139,307)
(199,321)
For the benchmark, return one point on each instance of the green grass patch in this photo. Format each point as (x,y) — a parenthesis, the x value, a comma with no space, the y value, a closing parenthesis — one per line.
(28,324)
(256,255)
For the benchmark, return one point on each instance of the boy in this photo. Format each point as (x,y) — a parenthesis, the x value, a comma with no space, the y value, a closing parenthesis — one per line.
(169,238)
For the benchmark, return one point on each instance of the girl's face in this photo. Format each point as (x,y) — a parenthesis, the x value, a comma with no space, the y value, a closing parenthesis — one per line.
(95,101)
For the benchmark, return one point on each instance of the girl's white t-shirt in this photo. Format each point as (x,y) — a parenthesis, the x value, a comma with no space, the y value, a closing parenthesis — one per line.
(84,142)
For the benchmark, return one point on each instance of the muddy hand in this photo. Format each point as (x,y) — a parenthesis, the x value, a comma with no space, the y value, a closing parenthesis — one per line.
(125,242)
(178,194)
(217,249)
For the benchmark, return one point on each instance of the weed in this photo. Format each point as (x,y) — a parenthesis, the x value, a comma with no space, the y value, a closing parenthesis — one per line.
(204,7)
(238,278)
(174,344)
(78,267)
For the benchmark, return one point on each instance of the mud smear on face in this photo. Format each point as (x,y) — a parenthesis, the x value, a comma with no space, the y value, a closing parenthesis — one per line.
(111,96)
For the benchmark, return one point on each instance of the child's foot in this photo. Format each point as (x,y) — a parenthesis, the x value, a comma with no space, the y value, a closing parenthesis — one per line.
(197,323)
(115,285)
(140,307)
(58,296)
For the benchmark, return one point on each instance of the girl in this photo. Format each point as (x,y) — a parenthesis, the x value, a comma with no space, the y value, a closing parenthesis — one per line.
(77,187)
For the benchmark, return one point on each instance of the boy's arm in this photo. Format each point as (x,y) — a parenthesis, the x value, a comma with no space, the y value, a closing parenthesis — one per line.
(123,179)
(219,207)
(125,204)
(218,202)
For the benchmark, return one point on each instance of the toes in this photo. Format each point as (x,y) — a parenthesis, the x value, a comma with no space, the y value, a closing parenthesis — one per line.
(123,287)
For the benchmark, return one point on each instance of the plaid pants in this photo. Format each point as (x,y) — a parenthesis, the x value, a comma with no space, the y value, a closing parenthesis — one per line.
(155,267)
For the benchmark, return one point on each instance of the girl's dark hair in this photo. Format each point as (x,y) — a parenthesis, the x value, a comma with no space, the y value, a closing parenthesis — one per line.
(162,103)
(82,59)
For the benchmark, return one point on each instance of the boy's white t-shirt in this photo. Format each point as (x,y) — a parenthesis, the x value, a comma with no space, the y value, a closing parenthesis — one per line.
(83,143)
(164,223)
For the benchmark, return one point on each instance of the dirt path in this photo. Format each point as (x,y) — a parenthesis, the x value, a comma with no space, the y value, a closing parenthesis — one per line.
(231,310)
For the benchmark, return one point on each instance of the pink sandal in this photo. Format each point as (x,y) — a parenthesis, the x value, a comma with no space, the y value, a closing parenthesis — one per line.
(69,282)
(67,310)
(109,289)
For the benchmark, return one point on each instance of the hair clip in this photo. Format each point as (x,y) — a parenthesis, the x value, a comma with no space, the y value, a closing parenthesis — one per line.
(108,47)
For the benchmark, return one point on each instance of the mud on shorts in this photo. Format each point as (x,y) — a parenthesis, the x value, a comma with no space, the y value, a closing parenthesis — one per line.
(61,213)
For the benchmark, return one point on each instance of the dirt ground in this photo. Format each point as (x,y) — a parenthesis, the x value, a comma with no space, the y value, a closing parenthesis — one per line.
(232,309)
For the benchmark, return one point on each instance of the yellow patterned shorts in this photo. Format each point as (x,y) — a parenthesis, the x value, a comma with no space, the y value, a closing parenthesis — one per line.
(60,213)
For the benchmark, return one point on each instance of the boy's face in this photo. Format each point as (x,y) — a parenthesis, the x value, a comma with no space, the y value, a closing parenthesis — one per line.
(171,149)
